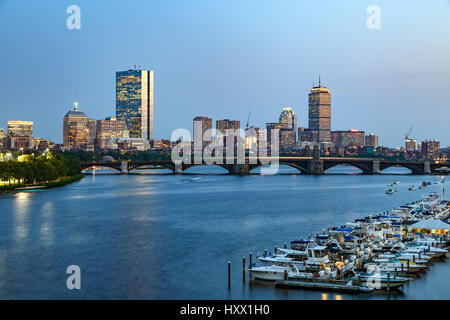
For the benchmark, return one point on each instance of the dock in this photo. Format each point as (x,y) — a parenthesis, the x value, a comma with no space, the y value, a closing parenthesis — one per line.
(314,285)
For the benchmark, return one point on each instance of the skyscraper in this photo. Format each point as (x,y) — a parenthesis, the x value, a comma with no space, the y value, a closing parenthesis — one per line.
(289,118)
(134,102)
(76,133)
(319,108)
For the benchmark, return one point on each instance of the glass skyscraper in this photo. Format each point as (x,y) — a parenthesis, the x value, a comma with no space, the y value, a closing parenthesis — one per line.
(319,108)
(134,102)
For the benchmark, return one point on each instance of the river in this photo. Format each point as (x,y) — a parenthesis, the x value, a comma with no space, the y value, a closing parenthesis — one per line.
(171,236)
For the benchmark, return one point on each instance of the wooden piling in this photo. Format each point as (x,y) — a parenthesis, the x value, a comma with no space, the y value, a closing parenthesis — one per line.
(389,281)
(250,259)
(229,273)
(265,252)
(408,265)
(285,245)
(275,250)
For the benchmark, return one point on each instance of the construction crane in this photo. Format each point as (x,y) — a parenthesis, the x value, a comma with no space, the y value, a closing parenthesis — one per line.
(409,132)
(248,120)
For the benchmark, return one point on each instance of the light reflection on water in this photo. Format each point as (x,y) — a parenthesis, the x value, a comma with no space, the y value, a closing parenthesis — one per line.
(170,237)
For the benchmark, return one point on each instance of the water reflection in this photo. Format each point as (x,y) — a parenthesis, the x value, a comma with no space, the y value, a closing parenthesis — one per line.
(46,229)
(22,202)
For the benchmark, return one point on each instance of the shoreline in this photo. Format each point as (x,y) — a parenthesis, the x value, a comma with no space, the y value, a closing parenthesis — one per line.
(48,185)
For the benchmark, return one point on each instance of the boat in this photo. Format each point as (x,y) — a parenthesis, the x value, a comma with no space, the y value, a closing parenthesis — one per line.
(278,272)
(390,191)
(380,280)
(396,182)
(280,260)
(412,188)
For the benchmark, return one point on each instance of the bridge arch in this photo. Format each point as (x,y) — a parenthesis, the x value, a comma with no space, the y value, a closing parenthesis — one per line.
(364,167)
(301,169)
(187,167)
(111,165)
(414,168)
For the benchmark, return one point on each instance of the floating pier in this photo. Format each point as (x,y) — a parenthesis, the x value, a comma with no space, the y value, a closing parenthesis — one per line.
(316,285)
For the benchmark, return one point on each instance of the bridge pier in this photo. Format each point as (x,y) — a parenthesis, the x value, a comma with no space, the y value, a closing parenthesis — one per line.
(376,167)
(315,167)
(178,168)
(427,167)
(124,167)
(240,169)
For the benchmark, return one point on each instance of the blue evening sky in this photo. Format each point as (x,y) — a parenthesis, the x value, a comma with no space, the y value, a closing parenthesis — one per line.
(222,58)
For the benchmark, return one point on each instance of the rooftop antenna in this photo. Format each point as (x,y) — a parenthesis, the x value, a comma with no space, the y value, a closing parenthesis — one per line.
(135,66)
(319,79)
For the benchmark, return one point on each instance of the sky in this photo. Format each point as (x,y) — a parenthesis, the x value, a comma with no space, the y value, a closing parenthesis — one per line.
(223,58)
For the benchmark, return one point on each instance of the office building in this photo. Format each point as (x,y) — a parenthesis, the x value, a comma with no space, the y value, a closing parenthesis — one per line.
(371,140)
(319,112)
(255,138)
(76,135)
(108,129)
(202,130)
(346,138)
(430,149)
(134,102)
(410,145)
(20,135)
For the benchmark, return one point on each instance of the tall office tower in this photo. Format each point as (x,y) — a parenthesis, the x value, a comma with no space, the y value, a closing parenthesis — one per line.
(430,149)
(20,134)
(134,102)
(108,129)
(75,130)
(319,108)
(371,140)
(410,144)
(289,118)
(203,126)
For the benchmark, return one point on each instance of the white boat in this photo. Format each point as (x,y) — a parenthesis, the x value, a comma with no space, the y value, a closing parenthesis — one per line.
(317,256)
(380,280)
(277,272)
(396,182)
(412,188)
(280,260)
(390,191)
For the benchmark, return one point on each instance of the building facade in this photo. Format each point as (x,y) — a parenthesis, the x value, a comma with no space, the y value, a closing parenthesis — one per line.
(20,135)
(319,112)
(410,145)
(371,140)
(202,128)
(106,130)
(346,138)
(134,102)
(76,133)
(430,149)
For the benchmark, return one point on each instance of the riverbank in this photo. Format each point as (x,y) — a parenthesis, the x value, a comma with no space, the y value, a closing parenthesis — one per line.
(51,184)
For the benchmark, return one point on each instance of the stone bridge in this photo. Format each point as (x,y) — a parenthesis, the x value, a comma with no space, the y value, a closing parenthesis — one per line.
(306,165)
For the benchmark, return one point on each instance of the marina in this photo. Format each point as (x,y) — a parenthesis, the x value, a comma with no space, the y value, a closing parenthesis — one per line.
(382,251)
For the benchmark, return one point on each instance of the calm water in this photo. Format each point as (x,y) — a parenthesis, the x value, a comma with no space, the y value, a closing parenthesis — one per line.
(170,237)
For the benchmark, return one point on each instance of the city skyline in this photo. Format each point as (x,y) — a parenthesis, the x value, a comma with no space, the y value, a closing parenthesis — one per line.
(374,88)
